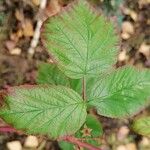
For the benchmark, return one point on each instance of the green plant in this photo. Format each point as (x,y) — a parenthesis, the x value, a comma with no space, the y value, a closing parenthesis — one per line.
(142,126)
(83,46)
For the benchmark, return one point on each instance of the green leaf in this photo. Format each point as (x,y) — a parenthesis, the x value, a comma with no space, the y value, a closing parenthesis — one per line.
(50,74)
(82,42)
(52,110)
(142,126)
(93,123)
(66,146)
(121,93)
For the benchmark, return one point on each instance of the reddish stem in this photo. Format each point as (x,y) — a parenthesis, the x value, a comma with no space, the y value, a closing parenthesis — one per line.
(5,129)
(76,141)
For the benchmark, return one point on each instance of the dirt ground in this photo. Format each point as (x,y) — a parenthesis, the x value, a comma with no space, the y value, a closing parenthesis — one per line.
(19,60)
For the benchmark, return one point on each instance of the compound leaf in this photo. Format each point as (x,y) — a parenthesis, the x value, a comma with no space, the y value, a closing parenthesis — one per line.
(121,93)
(82,42)
(52,110)
(142,126)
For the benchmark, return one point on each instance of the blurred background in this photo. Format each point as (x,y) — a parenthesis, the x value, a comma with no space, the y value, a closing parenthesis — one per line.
(21,51)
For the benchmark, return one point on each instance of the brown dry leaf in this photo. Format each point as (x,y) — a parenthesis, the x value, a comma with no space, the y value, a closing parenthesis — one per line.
(19,15)
(28,30)
(10,44)
(19,33)
(36,2)
(143,2)
(53,8)
(14,37)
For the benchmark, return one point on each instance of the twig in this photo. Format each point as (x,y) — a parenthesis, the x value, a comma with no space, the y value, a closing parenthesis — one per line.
(36,36)
(79,143)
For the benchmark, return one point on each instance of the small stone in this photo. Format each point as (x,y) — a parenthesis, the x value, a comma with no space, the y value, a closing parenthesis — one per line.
(125,35)
(131,13)
(131,146)
(123,132)
(127,27)
(145,50)
(14,145)
(121,147)
(145,141)
(134,15)
(122,56)
(126,11)
(31,142)
(15,51)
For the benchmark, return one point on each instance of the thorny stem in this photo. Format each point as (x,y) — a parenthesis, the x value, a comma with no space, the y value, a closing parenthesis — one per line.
(5,129)
(79,143)
(84,88)
(69,139)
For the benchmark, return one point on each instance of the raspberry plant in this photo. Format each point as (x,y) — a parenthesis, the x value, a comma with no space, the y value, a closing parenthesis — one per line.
(83,46)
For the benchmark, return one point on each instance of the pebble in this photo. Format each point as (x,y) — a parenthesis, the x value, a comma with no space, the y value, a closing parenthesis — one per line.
(122,56)
(131,146)
(131,13)
(31,142)
(134,15)
(125,35)
(127,27)
(14,145)
(145,141)
(15,51)
(145,50)
(123,132)
(121,147)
